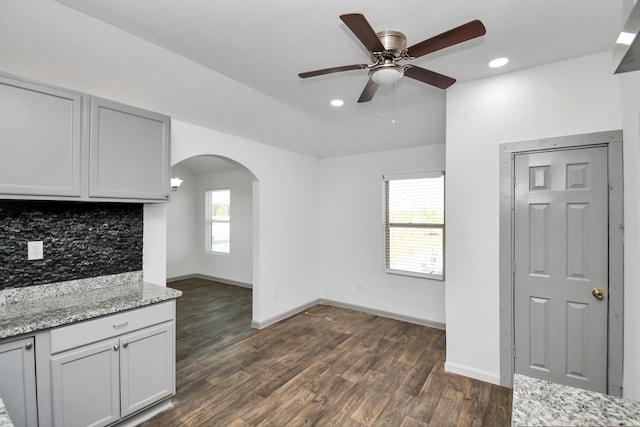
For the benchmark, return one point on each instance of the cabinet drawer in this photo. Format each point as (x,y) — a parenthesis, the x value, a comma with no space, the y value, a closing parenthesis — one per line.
(67,337)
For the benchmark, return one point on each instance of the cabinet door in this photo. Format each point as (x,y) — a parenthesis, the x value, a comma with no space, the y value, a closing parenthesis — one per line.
(129,152)
(147,367)
(18,381)
(85,386)
(40,137)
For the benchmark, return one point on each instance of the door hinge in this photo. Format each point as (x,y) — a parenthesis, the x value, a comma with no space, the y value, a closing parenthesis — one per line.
(514,351)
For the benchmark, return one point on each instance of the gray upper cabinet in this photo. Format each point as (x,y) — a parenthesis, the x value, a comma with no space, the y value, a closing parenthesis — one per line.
(129,152)
(57,144)
(40,140)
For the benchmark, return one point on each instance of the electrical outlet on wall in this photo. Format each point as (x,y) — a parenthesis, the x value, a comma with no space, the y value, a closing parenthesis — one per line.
(35,250)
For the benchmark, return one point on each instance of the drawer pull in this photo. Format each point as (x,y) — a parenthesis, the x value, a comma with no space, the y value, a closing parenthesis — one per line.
(121,325)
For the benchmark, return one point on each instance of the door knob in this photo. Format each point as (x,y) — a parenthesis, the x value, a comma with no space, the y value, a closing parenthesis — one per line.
(598,293)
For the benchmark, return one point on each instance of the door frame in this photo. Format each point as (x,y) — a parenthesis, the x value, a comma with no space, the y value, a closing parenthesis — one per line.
(613,141)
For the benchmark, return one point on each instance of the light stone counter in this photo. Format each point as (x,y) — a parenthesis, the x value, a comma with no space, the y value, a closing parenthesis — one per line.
(543,403)
(24,310)
(5,421)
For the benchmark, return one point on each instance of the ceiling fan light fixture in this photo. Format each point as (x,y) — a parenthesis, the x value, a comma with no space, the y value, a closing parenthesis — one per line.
(386,74)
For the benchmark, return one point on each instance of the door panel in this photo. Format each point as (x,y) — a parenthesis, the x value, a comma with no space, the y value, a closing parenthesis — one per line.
(85,386)
(146,367)
(539,333)
(561,254)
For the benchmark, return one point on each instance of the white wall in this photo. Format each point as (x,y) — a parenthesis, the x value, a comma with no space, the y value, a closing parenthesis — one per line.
(46,41)
(570,97)
(285,216)
(236,266)
(182,257)
(352,235)
(630,89)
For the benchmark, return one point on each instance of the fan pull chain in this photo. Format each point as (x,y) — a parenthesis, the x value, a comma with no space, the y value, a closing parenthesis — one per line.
(393,113)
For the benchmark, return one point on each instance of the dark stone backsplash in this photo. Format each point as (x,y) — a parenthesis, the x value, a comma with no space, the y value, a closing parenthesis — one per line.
(80,240)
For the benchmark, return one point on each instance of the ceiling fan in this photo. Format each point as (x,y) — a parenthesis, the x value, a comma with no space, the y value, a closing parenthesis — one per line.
(388,53)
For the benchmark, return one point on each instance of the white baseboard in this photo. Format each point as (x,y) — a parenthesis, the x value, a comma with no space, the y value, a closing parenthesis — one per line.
(264,323)
(455,368)
(207,277)
(275,319)
(383,313)
(178,278)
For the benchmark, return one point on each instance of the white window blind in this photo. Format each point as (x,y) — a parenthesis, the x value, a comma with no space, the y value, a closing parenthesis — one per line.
(218,221)
(414,224)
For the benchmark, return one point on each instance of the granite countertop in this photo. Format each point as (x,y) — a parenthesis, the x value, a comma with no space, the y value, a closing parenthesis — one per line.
(543,403)
(24,310)
(5,421)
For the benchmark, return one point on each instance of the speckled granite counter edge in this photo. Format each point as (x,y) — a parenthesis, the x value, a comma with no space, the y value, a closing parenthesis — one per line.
(543,403)
(66,303)
(5,421)
(14,295)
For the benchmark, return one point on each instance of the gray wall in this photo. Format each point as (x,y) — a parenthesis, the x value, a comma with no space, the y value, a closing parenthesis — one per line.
(81,240)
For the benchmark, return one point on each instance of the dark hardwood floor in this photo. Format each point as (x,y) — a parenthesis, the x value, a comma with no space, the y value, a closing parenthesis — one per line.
(325,367)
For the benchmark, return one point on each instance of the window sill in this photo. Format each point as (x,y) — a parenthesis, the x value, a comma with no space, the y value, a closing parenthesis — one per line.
(415,274)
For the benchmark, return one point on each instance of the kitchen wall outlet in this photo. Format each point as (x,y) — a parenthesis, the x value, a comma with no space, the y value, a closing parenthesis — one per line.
(34,250)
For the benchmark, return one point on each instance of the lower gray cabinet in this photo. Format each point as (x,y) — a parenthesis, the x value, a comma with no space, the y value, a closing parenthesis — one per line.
(100,383)
(146,368)
(85,385)
(18,381)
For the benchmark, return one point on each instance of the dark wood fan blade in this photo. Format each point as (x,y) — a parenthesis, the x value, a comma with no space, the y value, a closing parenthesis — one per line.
(464,32)
(359,26)
(368,92)
(333,70)
(429,77)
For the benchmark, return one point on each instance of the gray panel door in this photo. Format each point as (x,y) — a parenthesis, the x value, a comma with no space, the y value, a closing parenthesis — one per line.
(561,256)
(18,381)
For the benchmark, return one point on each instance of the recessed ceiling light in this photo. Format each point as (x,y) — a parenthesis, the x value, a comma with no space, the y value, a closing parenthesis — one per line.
(498,62)
(337,102)
(625,38)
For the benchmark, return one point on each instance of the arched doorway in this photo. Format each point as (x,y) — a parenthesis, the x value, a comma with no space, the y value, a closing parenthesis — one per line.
(190,252)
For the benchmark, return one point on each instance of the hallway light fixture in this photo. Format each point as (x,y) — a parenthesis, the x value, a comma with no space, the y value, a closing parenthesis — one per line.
(175,183)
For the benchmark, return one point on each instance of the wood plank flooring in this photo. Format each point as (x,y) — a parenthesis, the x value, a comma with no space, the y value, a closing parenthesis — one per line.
(325,367)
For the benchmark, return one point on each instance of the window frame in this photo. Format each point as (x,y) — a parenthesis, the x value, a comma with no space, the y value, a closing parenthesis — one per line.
(208,222)
(387,226)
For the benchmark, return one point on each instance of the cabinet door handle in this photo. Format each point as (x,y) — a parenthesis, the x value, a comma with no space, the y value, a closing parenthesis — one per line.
(125,344)
(115,347)
(28,345)
(121,325)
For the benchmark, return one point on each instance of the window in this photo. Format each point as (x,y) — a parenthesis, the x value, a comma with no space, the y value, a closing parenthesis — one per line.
(217,221)
(414,224)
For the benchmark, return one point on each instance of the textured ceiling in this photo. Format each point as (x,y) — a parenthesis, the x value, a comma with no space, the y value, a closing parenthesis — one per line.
(264,44)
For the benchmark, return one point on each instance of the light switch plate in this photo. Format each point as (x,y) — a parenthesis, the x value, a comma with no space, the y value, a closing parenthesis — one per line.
(35,250)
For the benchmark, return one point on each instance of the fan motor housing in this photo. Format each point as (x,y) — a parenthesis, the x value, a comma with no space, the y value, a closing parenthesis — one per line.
(393,41)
